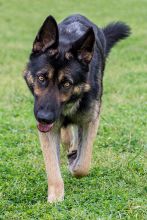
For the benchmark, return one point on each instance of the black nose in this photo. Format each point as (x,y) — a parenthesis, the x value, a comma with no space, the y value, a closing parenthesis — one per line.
(45,117)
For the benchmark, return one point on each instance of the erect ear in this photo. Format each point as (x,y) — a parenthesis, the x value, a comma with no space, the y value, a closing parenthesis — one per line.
(47,37)
(83,47)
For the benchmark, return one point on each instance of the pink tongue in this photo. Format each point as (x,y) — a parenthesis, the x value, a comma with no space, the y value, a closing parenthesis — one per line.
(44,127)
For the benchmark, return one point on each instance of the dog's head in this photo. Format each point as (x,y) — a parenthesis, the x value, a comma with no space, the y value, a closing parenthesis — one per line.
(57,71)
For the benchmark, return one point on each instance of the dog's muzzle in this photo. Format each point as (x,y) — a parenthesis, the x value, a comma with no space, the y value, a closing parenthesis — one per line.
(45,121)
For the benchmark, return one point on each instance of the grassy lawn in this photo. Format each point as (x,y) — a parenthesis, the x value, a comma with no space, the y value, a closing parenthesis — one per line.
(117,185)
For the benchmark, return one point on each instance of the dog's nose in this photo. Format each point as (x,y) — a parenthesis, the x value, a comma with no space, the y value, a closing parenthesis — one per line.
(45,117)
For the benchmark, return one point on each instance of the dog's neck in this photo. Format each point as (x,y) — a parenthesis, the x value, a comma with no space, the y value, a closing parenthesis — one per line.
(71,108)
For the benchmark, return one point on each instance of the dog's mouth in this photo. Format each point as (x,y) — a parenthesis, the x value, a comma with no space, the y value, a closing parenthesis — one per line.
(44,127)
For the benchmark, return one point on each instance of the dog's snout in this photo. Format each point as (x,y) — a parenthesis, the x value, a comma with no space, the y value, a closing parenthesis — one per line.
(45,117)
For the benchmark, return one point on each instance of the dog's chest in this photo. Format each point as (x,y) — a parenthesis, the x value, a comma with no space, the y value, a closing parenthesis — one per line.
(70,108)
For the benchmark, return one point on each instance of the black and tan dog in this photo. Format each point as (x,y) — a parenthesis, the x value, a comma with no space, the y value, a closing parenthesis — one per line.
(65,73)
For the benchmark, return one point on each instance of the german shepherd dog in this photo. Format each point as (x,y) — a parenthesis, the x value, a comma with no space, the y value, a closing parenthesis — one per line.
(65,75)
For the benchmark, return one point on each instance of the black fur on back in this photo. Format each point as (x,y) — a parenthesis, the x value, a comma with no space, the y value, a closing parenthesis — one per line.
(115,32)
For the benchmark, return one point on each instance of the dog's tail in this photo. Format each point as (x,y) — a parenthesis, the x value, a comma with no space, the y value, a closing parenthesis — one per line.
(115,32)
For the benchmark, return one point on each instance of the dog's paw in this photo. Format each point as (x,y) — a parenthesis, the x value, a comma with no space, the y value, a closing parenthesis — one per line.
(79,170)
(52,198)
(56,193)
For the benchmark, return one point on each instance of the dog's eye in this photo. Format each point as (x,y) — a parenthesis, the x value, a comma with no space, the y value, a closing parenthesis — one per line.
(41,78)
(67,85)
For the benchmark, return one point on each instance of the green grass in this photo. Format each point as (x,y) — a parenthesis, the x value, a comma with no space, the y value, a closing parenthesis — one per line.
(117,185)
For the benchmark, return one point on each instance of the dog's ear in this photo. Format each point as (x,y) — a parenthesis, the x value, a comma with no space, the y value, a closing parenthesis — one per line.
(83,48)
(47,37)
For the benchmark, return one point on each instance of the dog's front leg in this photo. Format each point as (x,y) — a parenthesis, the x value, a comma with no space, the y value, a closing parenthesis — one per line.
(80,167)
(49,144)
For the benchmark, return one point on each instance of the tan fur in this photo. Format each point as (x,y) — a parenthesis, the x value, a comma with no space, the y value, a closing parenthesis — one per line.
(65,97)
(77,90)
(37,90)
(85,87)
(61,76)
(62,73)
(66,137)
(50,73)
(68,55)
(37,46)
(69,138)
(29,77)
(25,71)
(87,56)
(55,183)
